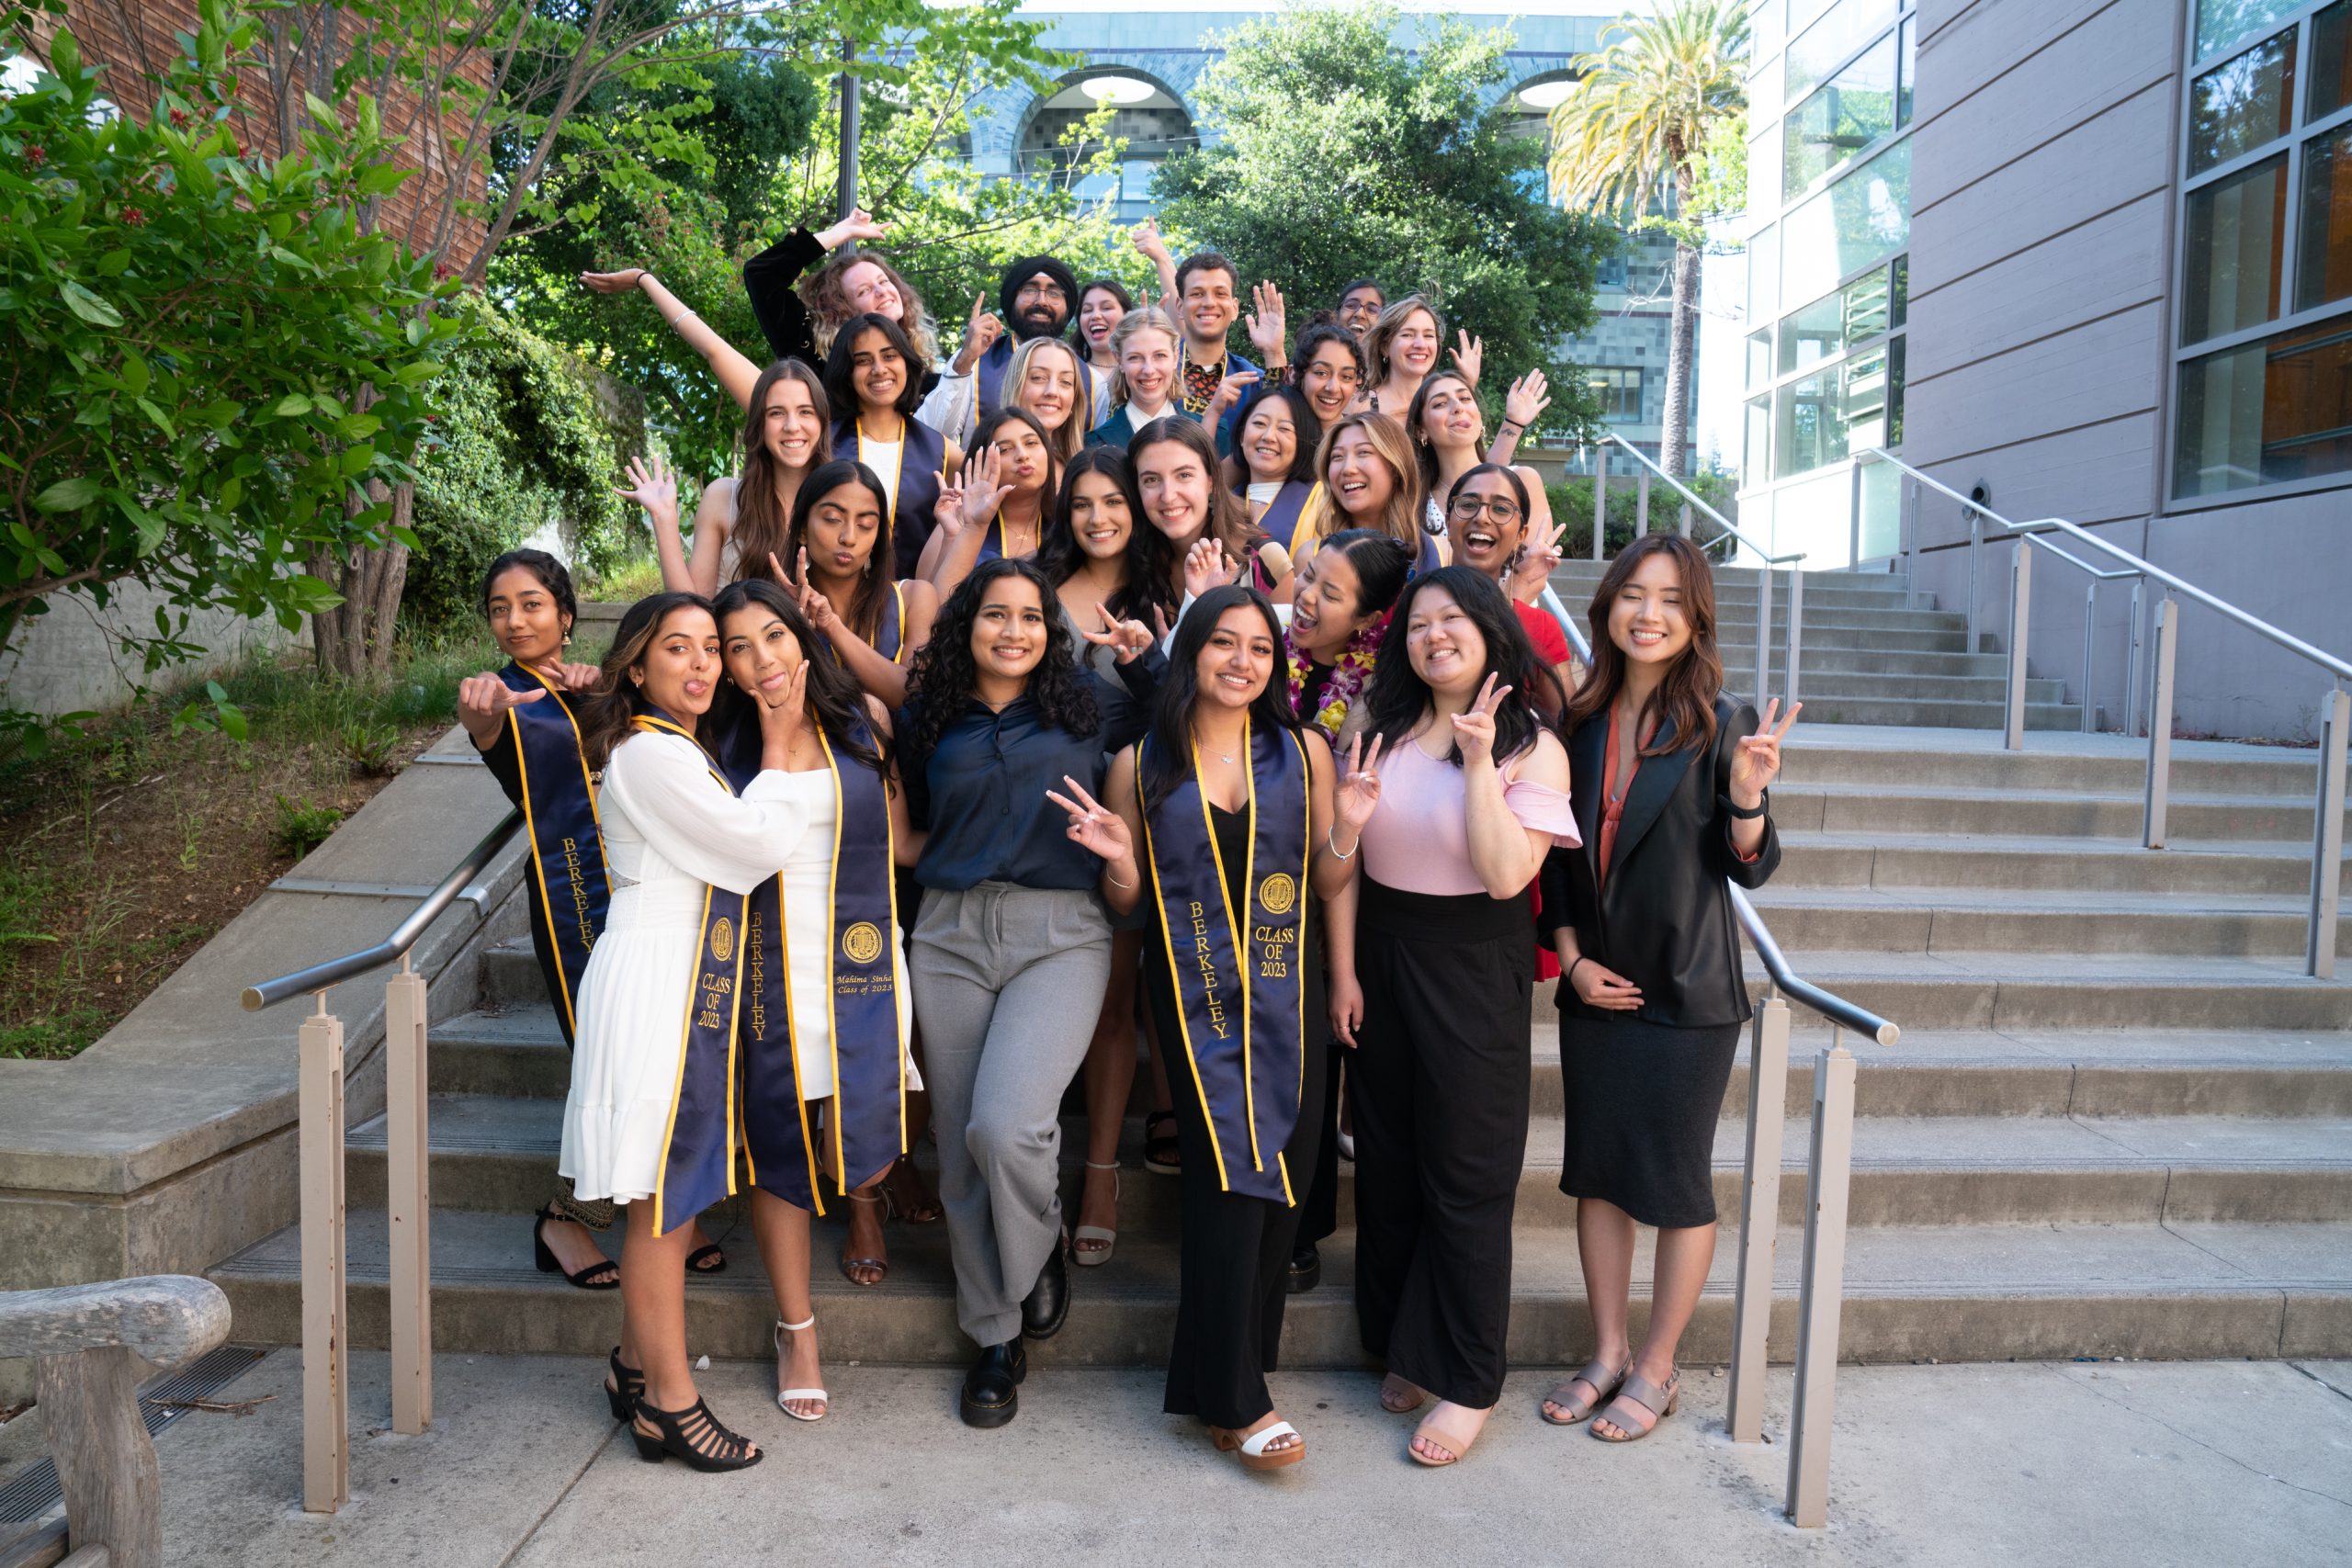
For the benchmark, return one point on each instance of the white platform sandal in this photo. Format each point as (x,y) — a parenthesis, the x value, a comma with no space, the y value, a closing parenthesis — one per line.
(1095,1257)
(784,1399)
(1252,1450)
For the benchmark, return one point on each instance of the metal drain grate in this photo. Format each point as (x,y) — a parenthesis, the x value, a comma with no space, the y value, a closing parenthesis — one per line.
(34,1494)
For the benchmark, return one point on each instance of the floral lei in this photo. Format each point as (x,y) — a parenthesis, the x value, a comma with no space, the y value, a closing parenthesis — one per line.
(1350,675)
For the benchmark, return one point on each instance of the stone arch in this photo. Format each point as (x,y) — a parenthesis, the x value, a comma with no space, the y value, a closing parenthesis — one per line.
(1156,126)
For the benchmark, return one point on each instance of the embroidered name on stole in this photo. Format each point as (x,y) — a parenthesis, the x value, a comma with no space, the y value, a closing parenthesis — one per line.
(868,1125)
(559,816)
(1240,989)
(698,1146)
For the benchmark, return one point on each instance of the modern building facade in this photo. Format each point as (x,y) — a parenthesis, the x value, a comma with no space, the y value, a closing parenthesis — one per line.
(1147,60)
(2083,258)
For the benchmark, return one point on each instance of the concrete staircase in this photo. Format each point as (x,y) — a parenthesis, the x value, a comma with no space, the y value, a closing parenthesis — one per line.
(2119,1122)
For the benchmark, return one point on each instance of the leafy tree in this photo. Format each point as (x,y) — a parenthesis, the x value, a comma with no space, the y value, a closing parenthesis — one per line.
(184,329)
(1345,153)
(1633,139)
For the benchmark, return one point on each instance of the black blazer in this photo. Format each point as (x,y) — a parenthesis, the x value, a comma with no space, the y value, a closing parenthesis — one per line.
(1664,919)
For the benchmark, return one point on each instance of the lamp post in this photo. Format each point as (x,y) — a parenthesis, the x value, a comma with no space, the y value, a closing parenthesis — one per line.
(846,198)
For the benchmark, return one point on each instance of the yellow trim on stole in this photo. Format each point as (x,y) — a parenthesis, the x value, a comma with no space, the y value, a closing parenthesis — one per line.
(531,826)
(898,469)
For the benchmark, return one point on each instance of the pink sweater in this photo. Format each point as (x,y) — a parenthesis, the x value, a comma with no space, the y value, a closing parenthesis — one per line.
(1419,839)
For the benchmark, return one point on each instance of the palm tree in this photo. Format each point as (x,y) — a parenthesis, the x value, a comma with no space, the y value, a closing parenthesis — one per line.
(1626,138)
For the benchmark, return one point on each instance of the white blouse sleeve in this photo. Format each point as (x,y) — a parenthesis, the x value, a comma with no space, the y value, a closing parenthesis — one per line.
(951,407)
(688,817)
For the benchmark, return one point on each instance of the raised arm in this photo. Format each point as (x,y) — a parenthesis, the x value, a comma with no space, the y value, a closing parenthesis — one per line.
(1504,853)
(735,373)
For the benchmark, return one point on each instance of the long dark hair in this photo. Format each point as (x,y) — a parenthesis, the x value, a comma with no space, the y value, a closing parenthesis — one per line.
(1399,696)
(1321,333)
(865,611)
(1686,698)
(1423,447)
(1169,758)
(985,432)
(1301,413)
(553,576)
(759,518)
(840,386)
(1382,565)
(1393,317)
(1060,558)
(607,717)
(1229,521)
(1115,289)
(835,699)
(943,675)
(1518,490)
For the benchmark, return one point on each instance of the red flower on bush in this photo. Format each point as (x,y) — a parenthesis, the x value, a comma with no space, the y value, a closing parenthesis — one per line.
(36,154)
(133,218)
(180,119)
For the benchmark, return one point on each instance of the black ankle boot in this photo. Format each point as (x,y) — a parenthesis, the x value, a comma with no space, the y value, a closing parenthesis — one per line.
(1049,1301)
(992,1388)
(1306,1270)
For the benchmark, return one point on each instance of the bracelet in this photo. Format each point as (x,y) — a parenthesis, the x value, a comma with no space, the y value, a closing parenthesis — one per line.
(1331,842)
(1509,424)
(682,316)
(1752,813)
(1122,886)
(1569,978)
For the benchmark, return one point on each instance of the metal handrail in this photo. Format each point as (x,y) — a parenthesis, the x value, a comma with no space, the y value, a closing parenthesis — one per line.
(1720,520)
(2032,534)
(2335,703)
(319,977)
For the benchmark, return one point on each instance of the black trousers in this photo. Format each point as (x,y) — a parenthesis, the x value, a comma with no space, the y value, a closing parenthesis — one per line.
(1234,1270)
(1439,1089)
(1318,1211)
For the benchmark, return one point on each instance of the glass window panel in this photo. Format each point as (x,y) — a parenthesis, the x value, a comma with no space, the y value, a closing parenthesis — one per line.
(2242,103)
(2331,60)
(1898,304)
(2266,412)
(1846,115)
(1863,217)
(1760,357)
(2231,266)
(1827,327)
(1895,394)
(2324,253)
(1882,529)
(1764,172)
(2221,23)
(1819,419)
(1756,461)
(1764,29)
(1763,275)
(1908,69)
(1817,51)
(1617,389)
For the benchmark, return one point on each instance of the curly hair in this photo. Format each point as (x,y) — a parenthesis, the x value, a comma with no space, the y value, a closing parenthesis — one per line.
(828,307)
(945,675)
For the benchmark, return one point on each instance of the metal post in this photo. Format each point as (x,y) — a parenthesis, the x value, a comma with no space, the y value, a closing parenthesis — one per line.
(2327,834)
(1760,1214)
(1911,543)
(2021,609)
(2090,627)
(1682,523)
(2131,642)
(1822,1290)
(845,197)
(1763,631)
(1976,544)
(2159,791)
(1796,617)
(1599,496)
(1641,500)
(407,1201)
(327,1375)
(1853,514)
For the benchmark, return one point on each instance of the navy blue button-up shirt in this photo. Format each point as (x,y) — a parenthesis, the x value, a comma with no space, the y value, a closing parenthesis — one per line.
(983,787)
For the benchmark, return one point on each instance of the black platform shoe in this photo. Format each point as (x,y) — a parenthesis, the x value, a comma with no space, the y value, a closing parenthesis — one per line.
(1047,1303)
(992,1388)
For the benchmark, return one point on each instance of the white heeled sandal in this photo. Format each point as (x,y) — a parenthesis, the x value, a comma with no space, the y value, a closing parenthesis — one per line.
(784,1399)
(1096,1257)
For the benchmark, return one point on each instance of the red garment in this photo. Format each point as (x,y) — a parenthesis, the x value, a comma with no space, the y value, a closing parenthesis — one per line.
(1551,643)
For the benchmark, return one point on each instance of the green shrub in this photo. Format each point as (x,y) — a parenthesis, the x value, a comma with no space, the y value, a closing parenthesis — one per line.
(1572,504)
(302,827)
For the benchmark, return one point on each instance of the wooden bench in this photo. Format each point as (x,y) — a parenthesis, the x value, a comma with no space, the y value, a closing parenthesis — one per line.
(91,1347)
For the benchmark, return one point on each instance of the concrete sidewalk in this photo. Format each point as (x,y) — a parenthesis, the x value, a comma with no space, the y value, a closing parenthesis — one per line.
(2141,1463)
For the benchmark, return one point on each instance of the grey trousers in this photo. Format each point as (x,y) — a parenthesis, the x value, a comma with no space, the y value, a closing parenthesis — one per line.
(1008,981)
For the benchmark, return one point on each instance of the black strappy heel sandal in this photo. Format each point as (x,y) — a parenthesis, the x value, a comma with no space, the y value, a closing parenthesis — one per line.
(694,1260)
(1163,1153)
(602,1275)
(683,1429)
(627,1385)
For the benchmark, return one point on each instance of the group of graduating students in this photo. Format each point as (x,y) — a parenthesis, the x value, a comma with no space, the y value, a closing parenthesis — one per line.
(992,696)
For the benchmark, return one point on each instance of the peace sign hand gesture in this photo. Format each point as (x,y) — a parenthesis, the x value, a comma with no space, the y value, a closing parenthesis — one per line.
(1354,798)
(1474,731)
(1469,356)
(1093,829)
(1526,400)
(1538,559)
(1123,639)
(486,698)
(1269,328)
(1758,761)
(806,594)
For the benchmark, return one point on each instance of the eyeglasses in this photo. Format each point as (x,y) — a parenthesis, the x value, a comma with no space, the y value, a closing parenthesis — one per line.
(1504,512)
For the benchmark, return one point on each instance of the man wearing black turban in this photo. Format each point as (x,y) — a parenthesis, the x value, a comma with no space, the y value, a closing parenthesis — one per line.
(1036,299)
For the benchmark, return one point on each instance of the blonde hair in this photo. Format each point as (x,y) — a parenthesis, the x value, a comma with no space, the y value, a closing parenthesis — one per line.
(1134,324)
(1065,443)
(1392,321)
(1401,518)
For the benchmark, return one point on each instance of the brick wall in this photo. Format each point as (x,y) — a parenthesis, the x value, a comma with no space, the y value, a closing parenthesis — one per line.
(135,36)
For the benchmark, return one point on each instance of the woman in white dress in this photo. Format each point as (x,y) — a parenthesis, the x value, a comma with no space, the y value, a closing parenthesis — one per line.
(656,999)
(822,1025)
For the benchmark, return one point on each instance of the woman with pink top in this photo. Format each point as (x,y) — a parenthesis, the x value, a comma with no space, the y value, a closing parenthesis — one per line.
(1474,792)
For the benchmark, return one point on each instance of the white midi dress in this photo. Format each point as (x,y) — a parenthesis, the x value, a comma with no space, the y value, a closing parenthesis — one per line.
(671,832)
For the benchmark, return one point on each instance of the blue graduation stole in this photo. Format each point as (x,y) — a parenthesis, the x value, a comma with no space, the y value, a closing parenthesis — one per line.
(1240,990)
(698,1146)
(1286,511)
(913,491)
(870,1121)
(891,633)
(559,817)
(1306,522)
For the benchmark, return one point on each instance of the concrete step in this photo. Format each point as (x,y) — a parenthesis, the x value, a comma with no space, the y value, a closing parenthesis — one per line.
(1736,639)
(1901,861)
(1942,921)
(2019,990)
(1822,752)
(1940,715)
(1955,1293)
(1822,682)
(1876,589)
(1801,807)
(498,1154)
(1948,1073)
(1830,660)
(1735,623)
